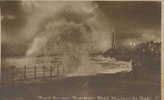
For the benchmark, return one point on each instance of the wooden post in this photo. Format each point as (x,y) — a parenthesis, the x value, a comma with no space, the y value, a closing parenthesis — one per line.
(43,71)
(63,70)
(25,67)
(57,70)
(35,71)
(51,71)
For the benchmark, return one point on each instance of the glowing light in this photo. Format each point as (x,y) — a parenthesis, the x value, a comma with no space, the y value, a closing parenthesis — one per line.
(132,44)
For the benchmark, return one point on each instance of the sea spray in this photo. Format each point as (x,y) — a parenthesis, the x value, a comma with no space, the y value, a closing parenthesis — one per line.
(72,30)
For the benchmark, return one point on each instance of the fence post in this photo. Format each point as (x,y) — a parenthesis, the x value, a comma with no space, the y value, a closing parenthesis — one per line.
(25,67)
(51,71)
(57,70)
(43,71)
(35,72)
(63,70)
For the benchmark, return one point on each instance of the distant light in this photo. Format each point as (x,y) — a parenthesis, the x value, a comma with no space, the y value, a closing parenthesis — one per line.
(133,44)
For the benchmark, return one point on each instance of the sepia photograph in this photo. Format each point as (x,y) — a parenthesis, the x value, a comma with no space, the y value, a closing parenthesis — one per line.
(80,50)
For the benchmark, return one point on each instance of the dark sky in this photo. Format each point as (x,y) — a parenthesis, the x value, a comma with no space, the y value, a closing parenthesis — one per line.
(138,21)
(133,16)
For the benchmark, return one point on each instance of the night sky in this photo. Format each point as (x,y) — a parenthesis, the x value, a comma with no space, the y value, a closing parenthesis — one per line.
(132,21)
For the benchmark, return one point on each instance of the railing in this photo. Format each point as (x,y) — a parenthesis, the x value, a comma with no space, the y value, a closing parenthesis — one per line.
(42,72)
(31,73)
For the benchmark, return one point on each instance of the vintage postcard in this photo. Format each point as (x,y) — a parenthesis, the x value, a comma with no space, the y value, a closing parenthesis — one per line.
(81,50)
